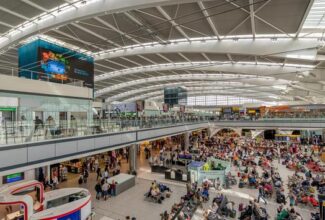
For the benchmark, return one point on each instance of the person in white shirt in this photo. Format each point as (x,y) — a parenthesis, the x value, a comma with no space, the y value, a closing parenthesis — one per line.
(55,182)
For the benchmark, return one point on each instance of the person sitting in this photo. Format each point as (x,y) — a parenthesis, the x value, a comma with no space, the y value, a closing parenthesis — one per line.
(218,199)
(230,207)
(252,180)
(205,194)
(248,211)
(163,188)
(313,201)
(316,181)
(283,214)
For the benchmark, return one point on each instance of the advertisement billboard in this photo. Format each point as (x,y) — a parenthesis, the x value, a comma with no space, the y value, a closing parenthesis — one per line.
(41,60)
(124,107)
(140,105)
(182,108)
(165,107)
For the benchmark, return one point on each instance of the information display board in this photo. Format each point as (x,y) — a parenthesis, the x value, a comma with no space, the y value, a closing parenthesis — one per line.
(175,95)
(13,178)
(41,60)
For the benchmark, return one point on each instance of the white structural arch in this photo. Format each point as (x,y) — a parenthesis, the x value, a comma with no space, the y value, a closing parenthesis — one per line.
(259,80)
(160,95)
(221,87)
(282,47)
(70,13)
(246,68)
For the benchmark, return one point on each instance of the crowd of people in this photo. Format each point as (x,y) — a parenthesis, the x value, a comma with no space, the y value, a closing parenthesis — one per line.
(257,162)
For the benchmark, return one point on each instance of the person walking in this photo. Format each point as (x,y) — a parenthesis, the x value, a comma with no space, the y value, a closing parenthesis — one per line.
(261,194)
(85,175)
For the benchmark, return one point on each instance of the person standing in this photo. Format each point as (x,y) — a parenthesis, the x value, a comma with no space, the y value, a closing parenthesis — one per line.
(105,188)
(55,182)
(98,189)
(99,174)
(38,124)
(73,124)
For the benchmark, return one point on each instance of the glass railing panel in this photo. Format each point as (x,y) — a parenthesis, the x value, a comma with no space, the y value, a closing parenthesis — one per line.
(17,132)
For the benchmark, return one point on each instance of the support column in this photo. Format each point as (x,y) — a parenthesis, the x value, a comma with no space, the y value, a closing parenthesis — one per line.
(187,141)
(133,150)
(47,172)
(209,131)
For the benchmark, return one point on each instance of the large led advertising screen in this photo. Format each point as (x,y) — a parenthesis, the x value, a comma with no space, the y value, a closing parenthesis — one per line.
(41,60)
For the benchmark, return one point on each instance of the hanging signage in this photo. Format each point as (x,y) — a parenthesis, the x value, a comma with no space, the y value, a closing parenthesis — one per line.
(182,108)
(7,109)
(165,107)
(13,178)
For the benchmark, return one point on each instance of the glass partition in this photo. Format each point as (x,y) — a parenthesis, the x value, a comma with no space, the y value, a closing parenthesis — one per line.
(23,131)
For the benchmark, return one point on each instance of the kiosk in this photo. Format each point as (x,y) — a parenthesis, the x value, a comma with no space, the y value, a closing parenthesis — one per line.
(61,204)
(212,169)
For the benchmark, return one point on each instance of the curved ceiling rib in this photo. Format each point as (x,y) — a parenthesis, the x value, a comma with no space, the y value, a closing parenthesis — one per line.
(159,95)
(255,47)
(68,13)
(235,88)
(248,68)
(266,81)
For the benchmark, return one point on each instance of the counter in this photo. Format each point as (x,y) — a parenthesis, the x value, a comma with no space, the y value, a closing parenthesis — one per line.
(124,182)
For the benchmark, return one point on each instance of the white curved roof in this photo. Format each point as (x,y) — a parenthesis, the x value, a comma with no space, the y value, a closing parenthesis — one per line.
(270,47)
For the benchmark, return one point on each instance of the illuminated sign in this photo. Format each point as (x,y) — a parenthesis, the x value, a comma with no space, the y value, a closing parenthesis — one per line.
(13,178)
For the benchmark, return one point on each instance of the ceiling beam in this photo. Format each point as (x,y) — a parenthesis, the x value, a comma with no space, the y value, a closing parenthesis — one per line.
(280,48)
(252,14)
(89,9)
(243,68)
(14,13)
(173,23)
(209,20)
(302,22)
(203,77)
(112,27)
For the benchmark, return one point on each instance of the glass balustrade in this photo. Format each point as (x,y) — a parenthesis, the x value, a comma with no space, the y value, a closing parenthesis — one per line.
(17,132)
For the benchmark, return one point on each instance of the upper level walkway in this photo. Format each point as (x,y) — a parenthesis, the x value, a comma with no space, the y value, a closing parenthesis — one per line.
(26,145)
(273,123)
(56,146)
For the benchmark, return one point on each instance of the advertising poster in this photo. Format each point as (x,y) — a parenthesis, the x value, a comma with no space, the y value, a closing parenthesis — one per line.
(165,107)
(182,108)
(125,107)
(41,60)
(140,105)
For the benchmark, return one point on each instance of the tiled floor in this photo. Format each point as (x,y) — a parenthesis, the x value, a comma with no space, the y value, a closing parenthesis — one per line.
(132,202)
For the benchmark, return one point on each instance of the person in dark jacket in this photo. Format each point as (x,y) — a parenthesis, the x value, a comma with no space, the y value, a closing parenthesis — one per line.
(98,189)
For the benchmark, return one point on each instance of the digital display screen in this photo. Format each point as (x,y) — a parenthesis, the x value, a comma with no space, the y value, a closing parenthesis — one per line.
(41,60)
(13,178)
(65,68)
